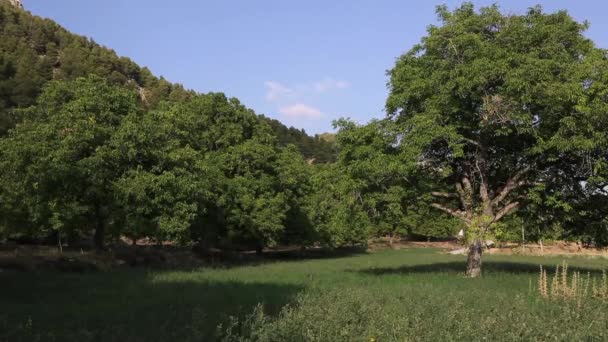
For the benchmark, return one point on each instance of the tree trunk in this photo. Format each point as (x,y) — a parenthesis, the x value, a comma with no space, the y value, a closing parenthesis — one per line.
(259,250)
(100,229)
(523,239)
(474,260)
(98,238)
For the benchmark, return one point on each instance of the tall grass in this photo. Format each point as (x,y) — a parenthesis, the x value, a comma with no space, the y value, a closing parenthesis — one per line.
(359,314)
(572,286)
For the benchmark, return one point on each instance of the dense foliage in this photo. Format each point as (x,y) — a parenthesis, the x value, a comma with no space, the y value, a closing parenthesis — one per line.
(318,149)
(504,112)
(87,158)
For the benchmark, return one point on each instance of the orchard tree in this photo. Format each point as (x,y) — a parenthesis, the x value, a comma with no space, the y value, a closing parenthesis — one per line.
(294,181)
(206,170)
(335,208)
(368,155)
(164,181)
(171,184)
(55,174)
(254,204)
(494,107)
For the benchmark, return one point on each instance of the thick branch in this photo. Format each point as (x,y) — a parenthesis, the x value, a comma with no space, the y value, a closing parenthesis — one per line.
(471,141)
(483,191)
(444,194)
(465,193)
(481,161)
(512,183)
(454,212)
(466,183)
(509,208)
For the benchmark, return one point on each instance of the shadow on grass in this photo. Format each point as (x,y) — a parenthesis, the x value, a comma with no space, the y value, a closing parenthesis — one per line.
(460,267)
(231,259)
(127,306)
(159,258)
(313,253)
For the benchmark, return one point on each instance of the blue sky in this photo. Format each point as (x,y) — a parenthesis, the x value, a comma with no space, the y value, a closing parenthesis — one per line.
(305,63)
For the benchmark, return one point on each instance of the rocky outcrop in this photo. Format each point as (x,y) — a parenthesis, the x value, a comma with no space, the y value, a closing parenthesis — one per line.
(16,3)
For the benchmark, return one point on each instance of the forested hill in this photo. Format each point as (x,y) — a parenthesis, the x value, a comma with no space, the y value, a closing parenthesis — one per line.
(34,51)
(318,149)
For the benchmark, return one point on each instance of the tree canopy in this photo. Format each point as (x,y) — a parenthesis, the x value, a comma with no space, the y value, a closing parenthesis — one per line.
(502,110)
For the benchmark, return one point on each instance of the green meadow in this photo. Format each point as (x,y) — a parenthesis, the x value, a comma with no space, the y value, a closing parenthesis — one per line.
(389,295)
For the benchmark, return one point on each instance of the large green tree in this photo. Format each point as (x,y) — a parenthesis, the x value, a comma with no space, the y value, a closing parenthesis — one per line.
(206,170)
(335,209)
(165,181)
(56,176)
(495,107)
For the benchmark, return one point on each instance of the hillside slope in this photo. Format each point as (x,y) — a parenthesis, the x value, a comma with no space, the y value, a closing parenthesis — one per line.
(34,50)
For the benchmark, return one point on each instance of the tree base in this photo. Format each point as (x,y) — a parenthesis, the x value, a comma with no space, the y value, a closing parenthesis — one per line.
(474,260)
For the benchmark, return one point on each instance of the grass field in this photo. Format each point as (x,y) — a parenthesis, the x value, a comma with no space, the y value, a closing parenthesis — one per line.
(412,294)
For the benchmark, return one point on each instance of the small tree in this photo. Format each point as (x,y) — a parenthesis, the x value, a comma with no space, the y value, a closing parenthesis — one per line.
(493,105)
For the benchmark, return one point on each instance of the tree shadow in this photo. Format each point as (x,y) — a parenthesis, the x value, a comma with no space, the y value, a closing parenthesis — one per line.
(314,253)
(128,306)
(231,259)
(160,258)
(489,266)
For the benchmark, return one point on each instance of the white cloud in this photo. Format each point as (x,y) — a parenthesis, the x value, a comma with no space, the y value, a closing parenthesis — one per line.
(300,110)
(281,93)
(276,91)
(329,83)
(289,99)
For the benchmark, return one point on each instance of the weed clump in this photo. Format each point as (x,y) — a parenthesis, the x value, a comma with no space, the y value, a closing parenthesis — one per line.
(572,286)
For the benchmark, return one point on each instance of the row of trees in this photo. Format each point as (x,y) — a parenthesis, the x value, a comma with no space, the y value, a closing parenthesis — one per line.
(88,158)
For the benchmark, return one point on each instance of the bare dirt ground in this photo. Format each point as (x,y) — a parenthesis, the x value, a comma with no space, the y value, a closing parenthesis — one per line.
(400,244)
(555,248)
(34,257)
